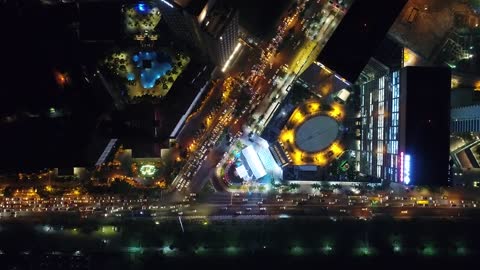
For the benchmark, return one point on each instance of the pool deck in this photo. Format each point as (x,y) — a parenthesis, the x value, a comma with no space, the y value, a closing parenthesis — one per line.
(137,89)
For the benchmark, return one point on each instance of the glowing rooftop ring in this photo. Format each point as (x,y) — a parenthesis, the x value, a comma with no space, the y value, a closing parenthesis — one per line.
(316,133)
(310,136)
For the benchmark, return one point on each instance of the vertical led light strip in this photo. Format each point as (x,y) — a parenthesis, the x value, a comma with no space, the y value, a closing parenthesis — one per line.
(406,169)
(401,166)
(167,3)
(231,56)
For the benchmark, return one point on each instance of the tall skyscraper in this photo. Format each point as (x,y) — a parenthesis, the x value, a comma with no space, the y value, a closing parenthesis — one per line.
(405,126)
(208,25)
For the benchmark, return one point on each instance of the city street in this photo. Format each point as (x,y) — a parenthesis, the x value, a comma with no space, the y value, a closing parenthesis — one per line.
(225,205)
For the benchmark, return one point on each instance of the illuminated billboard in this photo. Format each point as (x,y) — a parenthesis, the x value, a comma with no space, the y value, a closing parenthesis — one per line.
(406,170)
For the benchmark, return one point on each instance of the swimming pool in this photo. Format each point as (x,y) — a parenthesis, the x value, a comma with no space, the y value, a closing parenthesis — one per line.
(142,8)
(152,66)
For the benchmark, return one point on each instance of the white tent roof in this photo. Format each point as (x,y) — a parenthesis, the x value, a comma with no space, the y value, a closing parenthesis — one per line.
(242,172)
(253,162)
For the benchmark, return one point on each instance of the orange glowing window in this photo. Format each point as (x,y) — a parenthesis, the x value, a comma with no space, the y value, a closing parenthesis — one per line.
(61,78)
(477,86)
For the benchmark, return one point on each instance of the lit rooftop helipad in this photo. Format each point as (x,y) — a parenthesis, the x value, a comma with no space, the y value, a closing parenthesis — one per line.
(316,134)
(311,135)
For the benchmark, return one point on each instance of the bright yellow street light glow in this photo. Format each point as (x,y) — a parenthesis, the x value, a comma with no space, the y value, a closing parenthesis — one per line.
(287,136)
(297,157)
(336,112)
(320,159)
(314,107)
(336,149)
(298,117)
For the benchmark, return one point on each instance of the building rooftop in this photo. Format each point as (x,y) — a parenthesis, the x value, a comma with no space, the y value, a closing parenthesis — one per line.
(218,16)
(304,173)
(359,34)
(316,133)
(321,81)
(389,53)
(94,25)
(253,162)
(194,7)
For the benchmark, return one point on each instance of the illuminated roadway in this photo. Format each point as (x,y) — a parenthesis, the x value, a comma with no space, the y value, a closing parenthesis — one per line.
(227,206)
(198,155)
(223,205)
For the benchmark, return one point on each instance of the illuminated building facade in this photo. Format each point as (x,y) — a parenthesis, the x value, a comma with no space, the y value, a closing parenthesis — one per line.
(405,130)
(466,119)
(208,25)
(380,129)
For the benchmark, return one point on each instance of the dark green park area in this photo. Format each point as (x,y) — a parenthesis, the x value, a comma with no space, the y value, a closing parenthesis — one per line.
(284,237)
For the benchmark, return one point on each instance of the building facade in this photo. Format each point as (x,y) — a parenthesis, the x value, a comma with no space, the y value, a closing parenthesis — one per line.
(465,119)
(379,113)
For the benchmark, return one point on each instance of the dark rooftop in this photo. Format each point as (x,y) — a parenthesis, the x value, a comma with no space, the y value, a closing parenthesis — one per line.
(390,53)
(100,21)
(358,36)
(218,17)
(194,7)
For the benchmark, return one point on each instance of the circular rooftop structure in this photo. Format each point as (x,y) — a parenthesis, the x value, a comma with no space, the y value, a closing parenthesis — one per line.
(316,133)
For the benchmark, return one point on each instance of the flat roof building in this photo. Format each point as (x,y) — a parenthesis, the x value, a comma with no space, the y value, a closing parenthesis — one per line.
(100,21)
(251,159)
(359,34)
(464,97)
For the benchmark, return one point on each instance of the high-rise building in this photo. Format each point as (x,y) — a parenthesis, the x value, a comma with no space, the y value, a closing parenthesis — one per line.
(208,25)
(405,126)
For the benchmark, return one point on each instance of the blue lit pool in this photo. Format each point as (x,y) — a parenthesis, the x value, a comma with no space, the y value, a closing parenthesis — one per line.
(152,66)
(142,8)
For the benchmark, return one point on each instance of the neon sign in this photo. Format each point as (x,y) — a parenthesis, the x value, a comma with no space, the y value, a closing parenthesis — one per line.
(406,170)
